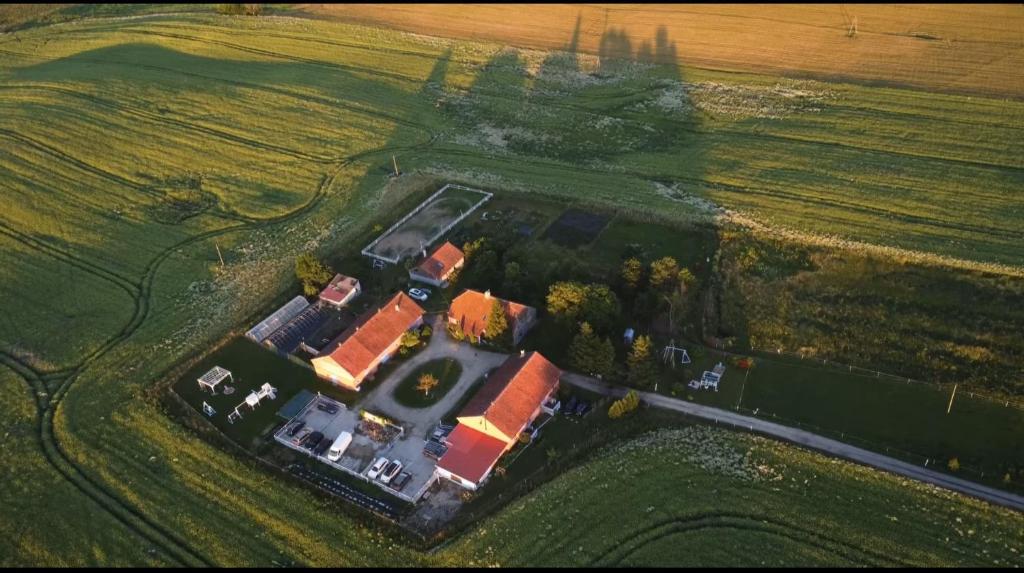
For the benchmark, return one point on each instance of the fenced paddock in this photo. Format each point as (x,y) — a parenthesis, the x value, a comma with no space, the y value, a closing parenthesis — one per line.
(426,223)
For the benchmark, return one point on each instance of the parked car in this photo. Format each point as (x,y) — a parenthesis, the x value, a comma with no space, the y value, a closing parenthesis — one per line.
(312,440)
(418,294)
(391,471)
(400,481)
(570,407)
(322,446)
(376,468)
(327,407)
(295,427)
(582,409)
(301,436)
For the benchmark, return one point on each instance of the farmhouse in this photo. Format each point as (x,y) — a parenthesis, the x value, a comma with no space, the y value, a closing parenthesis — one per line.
(492,421)
(340,291)
(439,266)
(470,309)
(370,341)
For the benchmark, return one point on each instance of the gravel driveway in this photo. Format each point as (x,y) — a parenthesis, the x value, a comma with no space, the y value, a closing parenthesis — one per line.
(474,361)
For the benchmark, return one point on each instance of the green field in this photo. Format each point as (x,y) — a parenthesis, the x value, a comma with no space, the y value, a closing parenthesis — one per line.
(134,148)
(706,497)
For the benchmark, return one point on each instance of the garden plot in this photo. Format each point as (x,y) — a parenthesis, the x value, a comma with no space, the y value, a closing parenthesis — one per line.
(576,228)
(426,223)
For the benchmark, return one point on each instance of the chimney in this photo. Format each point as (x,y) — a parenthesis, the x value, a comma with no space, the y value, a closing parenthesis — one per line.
(487,293)
(522,353)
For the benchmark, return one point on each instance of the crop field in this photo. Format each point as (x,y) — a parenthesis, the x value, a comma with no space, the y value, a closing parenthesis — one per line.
(705,497)
(134,148)
(950,47)
(425,223)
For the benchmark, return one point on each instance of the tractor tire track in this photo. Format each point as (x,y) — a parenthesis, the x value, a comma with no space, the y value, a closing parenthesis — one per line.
(92,487)
(307,98)
(73,161)
(125,284)
(162,119)
(731,520)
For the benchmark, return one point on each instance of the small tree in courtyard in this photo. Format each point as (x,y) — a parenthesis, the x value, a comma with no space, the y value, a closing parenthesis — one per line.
(427,382)
(954,464)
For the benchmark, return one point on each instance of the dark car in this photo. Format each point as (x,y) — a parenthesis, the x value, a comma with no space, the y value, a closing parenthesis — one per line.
(399,482)
(294,429)
(582,408)
(570,408)
(327,407)
(322,447)
(312,440)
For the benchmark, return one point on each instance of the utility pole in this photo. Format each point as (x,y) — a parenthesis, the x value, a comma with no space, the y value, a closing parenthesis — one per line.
(219,255)
(951,396)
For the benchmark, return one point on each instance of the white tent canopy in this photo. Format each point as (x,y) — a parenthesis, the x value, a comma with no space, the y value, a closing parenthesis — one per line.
(214,376)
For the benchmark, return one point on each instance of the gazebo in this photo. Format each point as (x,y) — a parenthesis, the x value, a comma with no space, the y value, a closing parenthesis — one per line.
(215,376)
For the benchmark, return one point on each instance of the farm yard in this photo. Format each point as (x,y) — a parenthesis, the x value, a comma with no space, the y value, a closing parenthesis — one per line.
(162,173)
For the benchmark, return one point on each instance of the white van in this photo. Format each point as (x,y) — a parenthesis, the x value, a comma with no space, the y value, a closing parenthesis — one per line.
(339,445)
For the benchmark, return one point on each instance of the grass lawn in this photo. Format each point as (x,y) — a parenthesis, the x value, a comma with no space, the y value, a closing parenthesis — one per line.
(447,372)
(251,365)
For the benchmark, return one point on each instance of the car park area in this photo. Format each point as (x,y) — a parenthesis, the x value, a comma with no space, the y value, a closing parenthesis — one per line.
(370,447)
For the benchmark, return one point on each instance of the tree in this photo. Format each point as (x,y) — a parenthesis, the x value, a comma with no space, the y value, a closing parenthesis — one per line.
(572,302)
(410,339)
(664,273)
(313,274)
(642,367)
(497,322)
(954,464)
(512,284)
(590,354)
(632,273)
(625,405)
(427,382)
(686,279)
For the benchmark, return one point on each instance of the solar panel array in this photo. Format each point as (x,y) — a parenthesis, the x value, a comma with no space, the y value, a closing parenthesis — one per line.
(288,337)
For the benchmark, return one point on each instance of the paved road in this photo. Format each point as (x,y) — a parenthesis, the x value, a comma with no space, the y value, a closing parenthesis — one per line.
(809,440)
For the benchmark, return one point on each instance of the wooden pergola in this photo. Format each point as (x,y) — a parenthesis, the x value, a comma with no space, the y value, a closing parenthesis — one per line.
(213,377)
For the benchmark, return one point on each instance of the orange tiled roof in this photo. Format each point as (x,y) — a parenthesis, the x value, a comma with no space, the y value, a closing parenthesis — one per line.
(441,261)
(471,454)
(372,334)
(471,309)
(513,392)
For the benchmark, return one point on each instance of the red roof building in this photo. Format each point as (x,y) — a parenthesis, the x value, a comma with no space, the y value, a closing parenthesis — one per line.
(371,340)
(498,413)
(439,266)
(341,290)
(469,311)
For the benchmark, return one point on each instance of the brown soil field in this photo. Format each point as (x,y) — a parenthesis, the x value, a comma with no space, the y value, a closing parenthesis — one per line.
(957,48)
